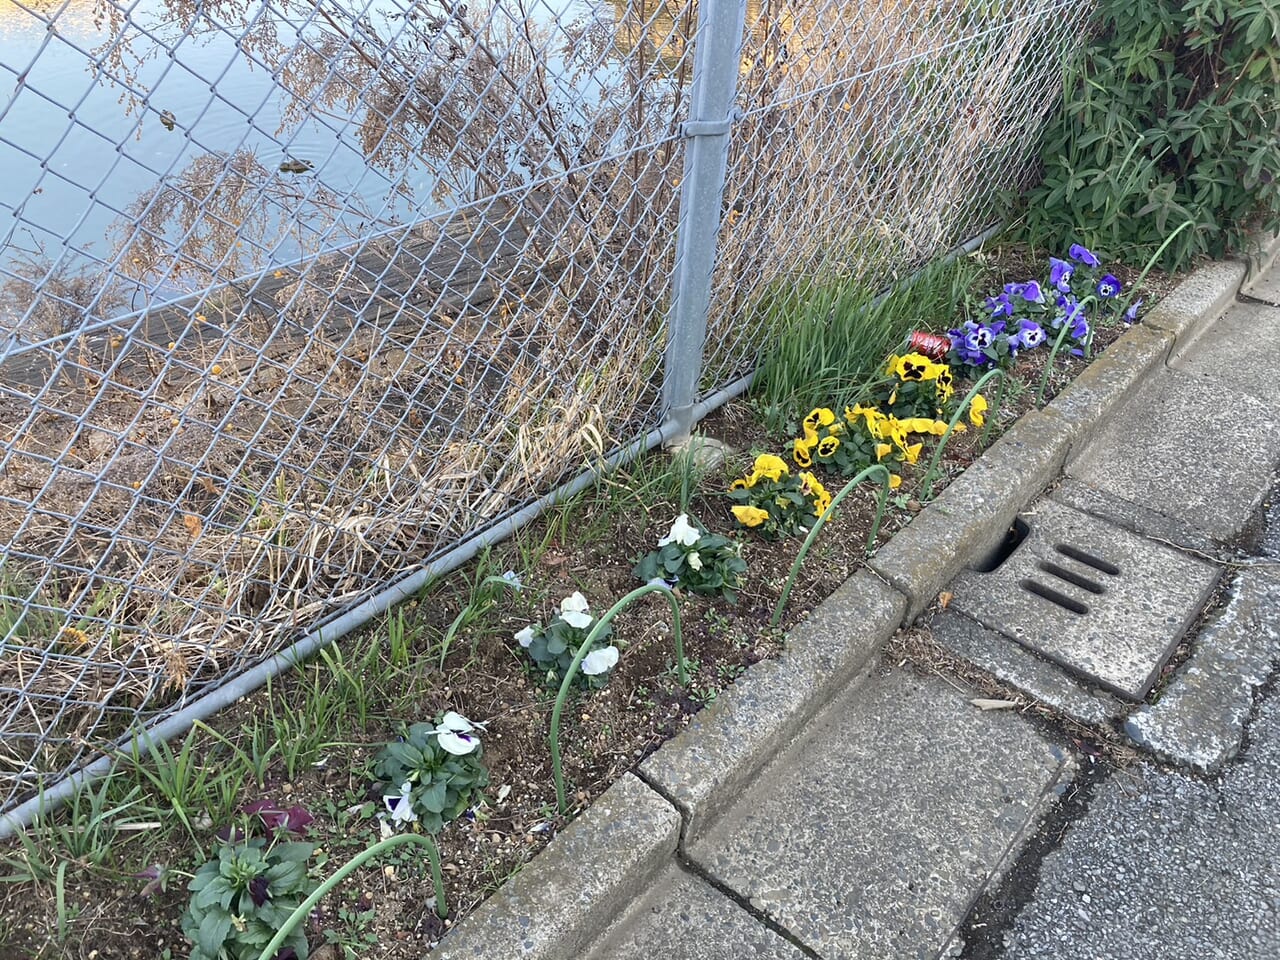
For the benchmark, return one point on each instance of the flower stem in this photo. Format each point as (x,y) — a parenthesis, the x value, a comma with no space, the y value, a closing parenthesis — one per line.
(682,672)
(355,863)
(1048,366)
(1133,287)
(876,469)
(926,483)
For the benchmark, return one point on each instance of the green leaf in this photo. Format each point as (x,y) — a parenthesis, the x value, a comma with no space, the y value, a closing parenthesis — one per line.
(213,931)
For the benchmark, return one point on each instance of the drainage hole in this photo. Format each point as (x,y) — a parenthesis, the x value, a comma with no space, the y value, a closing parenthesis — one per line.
(1053,596)
(1084,583)
(1088,559)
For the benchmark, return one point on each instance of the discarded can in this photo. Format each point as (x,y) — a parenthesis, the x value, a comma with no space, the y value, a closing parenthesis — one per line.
(932,345)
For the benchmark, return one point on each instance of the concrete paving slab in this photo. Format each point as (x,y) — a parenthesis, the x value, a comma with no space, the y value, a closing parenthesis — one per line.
(1266,287)
(1012,663)
(1199,720)
(1101,601)
(1241,352)
(1188,449)
(685,918)
(1132,516)
(871,837)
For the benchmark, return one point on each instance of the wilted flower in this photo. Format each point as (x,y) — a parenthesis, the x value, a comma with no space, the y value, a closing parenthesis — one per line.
(600,661)
(525,636)
(695,561)
(682,532)
(1082,254)
(1131,314)
(573,611)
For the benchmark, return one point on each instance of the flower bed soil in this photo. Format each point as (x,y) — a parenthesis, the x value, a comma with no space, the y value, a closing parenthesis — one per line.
(590,545)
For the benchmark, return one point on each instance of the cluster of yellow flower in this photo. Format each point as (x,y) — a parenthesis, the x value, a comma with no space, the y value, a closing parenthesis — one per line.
(772,493)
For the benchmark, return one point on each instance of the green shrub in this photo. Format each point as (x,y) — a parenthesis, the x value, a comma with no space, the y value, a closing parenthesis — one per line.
(1171,114)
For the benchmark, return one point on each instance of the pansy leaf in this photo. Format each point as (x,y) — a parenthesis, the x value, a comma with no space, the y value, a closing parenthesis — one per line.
(214,927)
(432,798)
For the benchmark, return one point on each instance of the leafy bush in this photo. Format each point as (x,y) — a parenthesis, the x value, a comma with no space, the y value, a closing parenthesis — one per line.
(696,560)
(1172,114)
(431,774)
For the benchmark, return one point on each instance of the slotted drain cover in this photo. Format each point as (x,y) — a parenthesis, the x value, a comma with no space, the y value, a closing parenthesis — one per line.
(1099,600)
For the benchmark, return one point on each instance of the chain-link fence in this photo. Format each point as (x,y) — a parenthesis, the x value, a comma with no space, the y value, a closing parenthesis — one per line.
(303,296)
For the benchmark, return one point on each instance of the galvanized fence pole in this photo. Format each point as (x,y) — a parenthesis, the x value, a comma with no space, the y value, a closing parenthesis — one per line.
(717,61)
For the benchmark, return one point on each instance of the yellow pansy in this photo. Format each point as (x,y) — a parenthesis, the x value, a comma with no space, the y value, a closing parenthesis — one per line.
(916,367)
(810,486)
(883,450)
(770,467)
(895,481)
(913,452)
(818,417)
(750,516)
(827,446)
(741,483)
(800,451)
(977,410)
(870,414)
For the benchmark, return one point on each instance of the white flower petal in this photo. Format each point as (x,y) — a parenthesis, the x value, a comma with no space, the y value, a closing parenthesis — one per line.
(695,561)
(459,744)
(513,578)
(455,722)
(579,621)
(658,582)
(600,661)
(525,636)
(573,603)
(682,532)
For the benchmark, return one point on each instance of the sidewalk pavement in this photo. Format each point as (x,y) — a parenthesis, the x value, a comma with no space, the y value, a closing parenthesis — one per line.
(905,820)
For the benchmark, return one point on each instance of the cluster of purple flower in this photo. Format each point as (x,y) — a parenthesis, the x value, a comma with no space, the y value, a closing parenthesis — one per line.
(1025,315)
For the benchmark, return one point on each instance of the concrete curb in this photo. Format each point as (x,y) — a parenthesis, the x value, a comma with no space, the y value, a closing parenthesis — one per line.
(1262,261)
(559,903)
(554,908)
(705,768)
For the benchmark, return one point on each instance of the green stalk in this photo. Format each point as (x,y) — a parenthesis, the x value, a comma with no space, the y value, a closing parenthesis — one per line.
(355,863)
(926,484)
(875,468)
(1133,287)
(1048,366)
(682,671)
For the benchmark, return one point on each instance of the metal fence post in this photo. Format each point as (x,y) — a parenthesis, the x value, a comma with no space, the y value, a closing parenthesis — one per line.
(717,61)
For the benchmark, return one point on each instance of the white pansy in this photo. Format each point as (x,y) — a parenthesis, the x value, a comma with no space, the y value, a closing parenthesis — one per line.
(573,611)
(400,807)
(658,582)
(454,734)
(525,636)
(682,532)
(695,561)
(600,661)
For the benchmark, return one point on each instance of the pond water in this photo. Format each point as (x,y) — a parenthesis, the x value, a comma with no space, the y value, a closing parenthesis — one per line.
(102,103)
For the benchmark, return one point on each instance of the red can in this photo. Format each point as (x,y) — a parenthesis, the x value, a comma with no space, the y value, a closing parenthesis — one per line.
(932,345)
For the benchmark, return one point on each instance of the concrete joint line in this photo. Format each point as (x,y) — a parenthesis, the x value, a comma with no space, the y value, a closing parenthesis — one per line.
(692,868)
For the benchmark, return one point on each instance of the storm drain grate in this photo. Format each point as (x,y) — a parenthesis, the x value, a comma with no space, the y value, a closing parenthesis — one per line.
(1101,601)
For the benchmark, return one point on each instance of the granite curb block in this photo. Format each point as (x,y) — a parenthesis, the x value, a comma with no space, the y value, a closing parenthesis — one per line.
(568,895)
(1196,302)
(587,875)
(705,768)
(1261,262)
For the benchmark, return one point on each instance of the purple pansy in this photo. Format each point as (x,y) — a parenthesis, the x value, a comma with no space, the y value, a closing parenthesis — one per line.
(1082,254)
(1131,314)
(1060,272)
(1029,336)
(1108,287)
(1029,291)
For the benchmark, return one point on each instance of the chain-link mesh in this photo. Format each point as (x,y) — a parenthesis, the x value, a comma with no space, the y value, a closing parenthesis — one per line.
(300,294)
